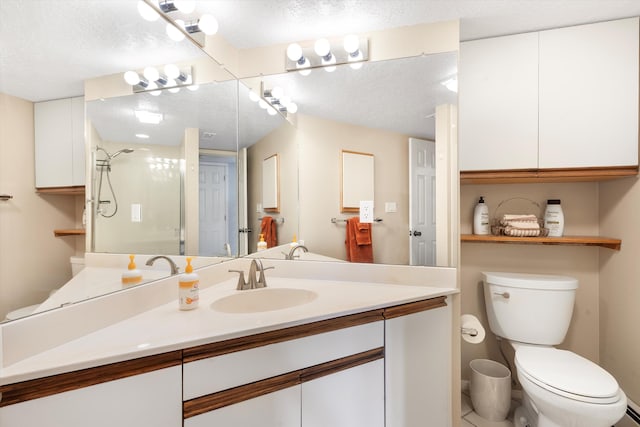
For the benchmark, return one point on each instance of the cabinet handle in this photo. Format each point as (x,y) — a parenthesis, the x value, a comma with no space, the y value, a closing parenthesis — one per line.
(504,295)
(5,197)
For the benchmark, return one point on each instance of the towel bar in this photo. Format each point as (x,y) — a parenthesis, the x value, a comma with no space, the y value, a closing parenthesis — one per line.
(276,220)
(337,220)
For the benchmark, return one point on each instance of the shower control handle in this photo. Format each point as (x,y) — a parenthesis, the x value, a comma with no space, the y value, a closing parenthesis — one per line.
(504,295)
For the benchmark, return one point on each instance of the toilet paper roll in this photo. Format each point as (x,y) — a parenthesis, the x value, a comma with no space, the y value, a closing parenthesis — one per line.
(471,328)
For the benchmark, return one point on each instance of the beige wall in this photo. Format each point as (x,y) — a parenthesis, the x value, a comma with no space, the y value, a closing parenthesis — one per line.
(619,289)
(321,142)
(580,207)
(282,142)
(32,260)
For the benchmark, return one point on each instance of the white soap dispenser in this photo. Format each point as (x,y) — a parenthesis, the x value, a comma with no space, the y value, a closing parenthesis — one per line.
(481,218)
(188,284)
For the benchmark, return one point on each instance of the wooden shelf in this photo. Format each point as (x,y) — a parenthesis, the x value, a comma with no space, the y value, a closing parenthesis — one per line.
(63,191)
(546,175)
(604,242)
(69,232)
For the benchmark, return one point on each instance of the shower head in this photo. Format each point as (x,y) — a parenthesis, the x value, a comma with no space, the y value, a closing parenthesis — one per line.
(124,150)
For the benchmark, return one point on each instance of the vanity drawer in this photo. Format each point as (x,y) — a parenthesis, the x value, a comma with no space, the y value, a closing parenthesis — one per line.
(214,374)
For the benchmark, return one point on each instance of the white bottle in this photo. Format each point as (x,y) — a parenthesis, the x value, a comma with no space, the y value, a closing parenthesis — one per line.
(481,218)
(188,283)
(554,218)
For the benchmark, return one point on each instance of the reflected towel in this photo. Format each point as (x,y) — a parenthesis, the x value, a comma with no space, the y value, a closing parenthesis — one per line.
(358,252)
(269,231)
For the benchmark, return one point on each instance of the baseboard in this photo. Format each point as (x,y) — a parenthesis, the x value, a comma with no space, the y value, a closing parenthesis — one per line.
(631,417)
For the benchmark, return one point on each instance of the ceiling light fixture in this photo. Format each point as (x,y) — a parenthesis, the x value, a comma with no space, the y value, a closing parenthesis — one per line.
(352,50)
(451,84)
(148,117)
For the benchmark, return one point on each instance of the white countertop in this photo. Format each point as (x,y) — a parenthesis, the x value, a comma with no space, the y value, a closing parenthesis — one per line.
(166,328)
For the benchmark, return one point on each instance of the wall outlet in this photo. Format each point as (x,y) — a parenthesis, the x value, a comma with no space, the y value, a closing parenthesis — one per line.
(366,211)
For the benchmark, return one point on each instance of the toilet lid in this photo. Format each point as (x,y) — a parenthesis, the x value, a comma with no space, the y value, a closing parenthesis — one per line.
(567,374)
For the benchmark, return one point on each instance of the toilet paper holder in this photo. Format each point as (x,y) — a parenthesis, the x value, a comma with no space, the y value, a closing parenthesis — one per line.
(469,331)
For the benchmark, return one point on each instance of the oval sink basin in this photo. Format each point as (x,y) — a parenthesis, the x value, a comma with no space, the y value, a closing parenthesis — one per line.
(264,299)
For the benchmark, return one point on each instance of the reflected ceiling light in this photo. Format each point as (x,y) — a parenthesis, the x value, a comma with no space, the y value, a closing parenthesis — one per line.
(263,104)
(329,64)
(142,136)
(208,24)
(451,84)
(147,12)
(174,90)
(173,32)
(253,96)
(271,111)
(148,117)
(304,68)
(292,108)
(193,87)
(154,89)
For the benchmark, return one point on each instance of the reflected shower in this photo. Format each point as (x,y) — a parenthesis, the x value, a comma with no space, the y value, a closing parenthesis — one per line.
(104,168)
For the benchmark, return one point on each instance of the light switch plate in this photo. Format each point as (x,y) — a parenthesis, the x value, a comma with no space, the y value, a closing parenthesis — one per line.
(136,212)
(390,207)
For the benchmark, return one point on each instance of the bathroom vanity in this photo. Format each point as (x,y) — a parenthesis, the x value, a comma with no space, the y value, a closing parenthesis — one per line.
(357,353)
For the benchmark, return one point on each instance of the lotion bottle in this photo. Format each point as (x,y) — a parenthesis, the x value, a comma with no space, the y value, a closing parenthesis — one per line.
(554,218)
(262,245)
(188,292)
(481,218)
(132,276)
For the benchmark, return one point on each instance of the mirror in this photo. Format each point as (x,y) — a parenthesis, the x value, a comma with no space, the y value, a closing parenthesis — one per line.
(357,184)
(271,184)
(375,110)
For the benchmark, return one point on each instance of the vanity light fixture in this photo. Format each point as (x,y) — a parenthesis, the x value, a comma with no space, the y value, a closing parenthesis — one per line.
(147,12)
(154,81)
(353,50)
(275,100)
(148,117)
(180,19)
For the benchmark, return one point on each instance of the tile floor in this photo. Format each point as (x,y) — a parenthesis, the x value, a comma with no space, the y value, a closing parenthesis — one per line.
(471,419)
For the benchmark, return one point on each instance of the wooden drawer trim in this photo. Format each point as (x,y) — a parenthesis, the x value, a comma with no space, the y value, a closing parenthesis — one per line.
(547,175)
(211,402)
(328,368)
(280,335)
(77,190)
(415,307)
(42,387)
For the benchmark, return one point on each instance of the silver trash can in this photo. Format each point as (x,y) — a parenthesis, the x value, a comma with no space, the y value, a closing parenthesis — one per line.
(490,389)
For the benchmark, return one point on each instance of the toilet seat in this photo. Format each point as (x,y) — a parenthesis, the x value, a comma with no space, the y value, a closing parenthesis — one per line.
(567,374)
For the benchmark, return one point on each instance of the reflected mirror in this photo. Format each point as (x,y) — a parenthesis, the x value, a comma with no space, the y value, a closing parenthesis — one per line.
(376,110)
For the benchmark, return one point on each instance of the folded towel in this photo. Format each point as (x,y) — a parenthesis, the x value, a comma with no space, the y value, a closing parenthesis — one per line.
(519,217)
(363,234)
(519,232)
(525,225)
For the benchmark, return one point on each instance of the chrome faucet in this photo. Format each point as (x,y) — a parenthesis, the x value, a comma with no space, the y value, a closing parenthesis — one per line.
(254,281)
(293,251)
(174,267)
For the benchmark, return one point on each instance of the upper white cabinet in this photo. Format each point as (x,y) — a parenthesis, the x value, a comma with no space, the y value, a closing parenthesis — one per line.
(589,95)
(562,98)
(498,83)
(59,143)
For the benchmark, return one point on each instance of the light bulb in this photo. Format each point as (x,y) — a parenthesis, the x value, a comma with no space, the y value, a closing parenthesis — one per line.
(172,71)
(174,90)
(329,64)
(151,74)
(304,68)
(263,104)
(174,33)
(132,78)
(322,47)
(271,111)
(285,100)
(351,44)
(147,12)
(356,61)
(294,52)
(292,108)
(253,96)
(208,24)
(277,92)
(185,6)
(193,88)
(356,65)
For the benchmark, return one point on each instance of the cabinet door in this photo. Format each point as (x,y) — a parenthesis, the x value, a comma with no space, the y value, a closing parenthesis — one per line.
(277,409)
(418,369)
(498,103)
(349,398)
(53,143)
(151,399)
(589,95)
(77,141)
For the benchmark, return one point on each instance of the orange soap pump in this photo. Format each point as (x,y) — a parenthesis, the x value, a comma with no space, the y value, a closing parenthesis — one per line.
(132,276)
(188,282)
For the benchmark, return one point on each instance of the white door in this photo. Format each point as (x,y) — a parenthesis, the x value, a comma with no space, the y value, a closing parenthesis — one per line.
(243,219)
(422,202)
(213,209)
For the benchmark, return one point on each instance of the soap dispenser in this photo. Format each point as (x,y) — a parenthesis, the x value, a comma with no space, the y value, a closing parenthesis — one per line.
(294,242)
(132,276)
(262,245)
(188,293)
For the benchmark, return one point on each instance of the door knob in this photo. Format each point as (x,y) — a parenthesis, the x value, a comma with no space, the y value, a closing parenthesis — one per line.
(417,233)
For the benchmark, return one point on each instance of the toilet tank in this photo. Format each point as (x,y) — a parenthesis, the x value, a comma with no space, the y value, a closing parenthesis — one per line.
(529,308)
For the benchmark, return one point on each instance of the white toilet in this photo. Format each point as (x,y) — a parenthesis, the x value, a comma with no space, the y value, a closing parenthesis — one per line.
(561,389)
